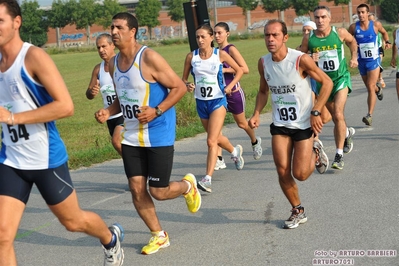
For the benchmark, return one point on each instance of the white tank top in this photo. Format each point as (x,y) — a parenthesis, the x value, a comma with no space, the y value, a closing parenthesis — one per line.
(107,89)
(291,94)
(133,92)
(27,146)
(208,76)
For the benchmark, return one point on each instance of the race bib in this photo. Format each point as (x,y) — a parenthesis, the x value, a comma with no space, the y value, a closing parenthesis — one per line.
(328,60)
(23,133)
(366,50)
(285,107)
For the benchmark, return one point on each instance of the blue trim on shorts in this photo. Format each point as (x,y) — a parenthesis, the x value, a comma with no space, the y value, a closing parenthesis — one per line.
(205,108)
(366,66)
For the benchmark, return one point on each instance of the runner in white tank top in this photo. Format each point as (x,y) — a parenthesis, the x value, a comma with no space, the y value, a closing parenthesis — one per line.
(33,95)
(284,73)
(101,83)
(205,64)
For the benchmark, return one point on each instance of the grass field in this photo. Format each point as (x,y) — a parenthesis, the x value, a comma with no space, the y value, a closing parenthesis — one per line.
(88,142)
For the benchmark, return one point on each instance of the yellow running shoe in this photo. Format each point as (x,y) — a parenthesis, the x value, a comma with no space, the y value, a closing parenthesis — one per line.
(193,197)
(155,243)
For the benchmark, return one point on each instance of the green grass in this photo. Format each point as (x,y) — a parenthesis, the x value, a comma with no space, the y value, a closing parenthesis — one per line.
(88,142)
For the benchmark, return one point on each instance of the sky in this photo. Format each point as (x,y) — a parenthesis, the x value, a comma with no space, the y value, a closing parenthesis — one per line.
(45,2)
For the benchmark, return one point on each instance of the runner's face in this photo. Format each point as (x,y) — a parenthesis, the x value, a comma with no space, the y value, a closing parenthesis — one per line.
(274,37)
(362,14)
(120,32)
(322,19)
(8,26)
(306,30)
(105,50)
(204,39)
(220,35)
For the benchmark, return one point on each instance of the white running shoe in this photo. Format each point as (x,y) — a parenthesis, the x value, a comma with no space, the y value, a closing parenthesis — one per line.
(220,164)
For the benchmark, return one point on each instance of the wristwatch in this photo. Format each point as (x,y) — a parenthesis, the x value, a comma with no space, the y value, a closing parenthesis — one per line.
(388,42)
(315,113)
(158,111)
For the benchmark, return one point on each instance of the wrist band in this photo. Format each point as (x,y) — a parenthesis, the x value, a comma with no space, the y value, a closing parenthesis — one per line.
(11,116)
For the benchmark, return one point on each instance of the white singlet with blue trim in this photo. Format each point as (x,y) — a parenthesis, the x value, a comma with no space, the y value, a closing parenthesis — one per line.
(107,89)
(208,76)
(30,146)
(291,94)
(134,91)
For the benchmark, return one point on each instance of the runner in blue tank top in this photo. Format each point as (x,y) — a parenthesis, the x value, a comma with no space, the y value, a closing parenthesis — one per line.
(365,32)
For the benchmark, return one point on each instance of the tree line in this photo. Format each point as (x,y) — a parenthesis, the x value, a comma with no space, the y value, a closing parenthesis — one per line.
(85,13)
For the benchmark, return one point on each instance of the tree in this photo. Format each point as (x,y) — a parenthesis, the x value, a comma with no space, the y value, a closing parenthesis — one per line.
(147,12)
(304,7)
(34,26)
(247,5)
(84,15)
(176,11)
(60,16)
(106,11)
(343,3)
(271,6)
(390,9)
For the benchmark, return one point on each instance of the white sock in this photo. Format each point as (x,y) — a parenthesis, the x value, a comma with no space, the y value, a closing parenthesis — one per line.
(159,233)
(208,178)
(189,186)
(347,132)
(340,152)
(234,153)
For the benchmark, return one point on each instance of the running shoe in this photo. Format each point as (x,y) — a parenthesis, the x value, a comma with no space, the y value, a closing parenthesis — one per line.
(322,159)
(379,93)
(338,162)
(114,256)
(348,144)
(205,185)
(297,217)
(193,197)
(238,160)
(156,243)
(257,149)
(368,120)
(220,164)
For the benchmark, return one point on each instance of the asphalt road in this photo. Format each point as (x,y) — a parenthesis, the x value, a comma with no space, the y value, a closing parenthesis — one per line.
(351,212)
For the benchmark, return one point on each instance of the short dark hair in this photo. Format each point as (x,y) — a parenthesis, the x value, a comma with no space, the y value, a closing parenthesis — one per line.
(364,5)
(13,8)
(131,20)
(282,23)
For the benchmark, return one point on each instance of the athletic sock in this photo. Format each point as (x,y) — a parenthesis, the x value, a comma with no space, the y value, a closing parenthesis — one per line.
(220,158)
(254,143)
(158,233)
(189,187)
(112,243)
